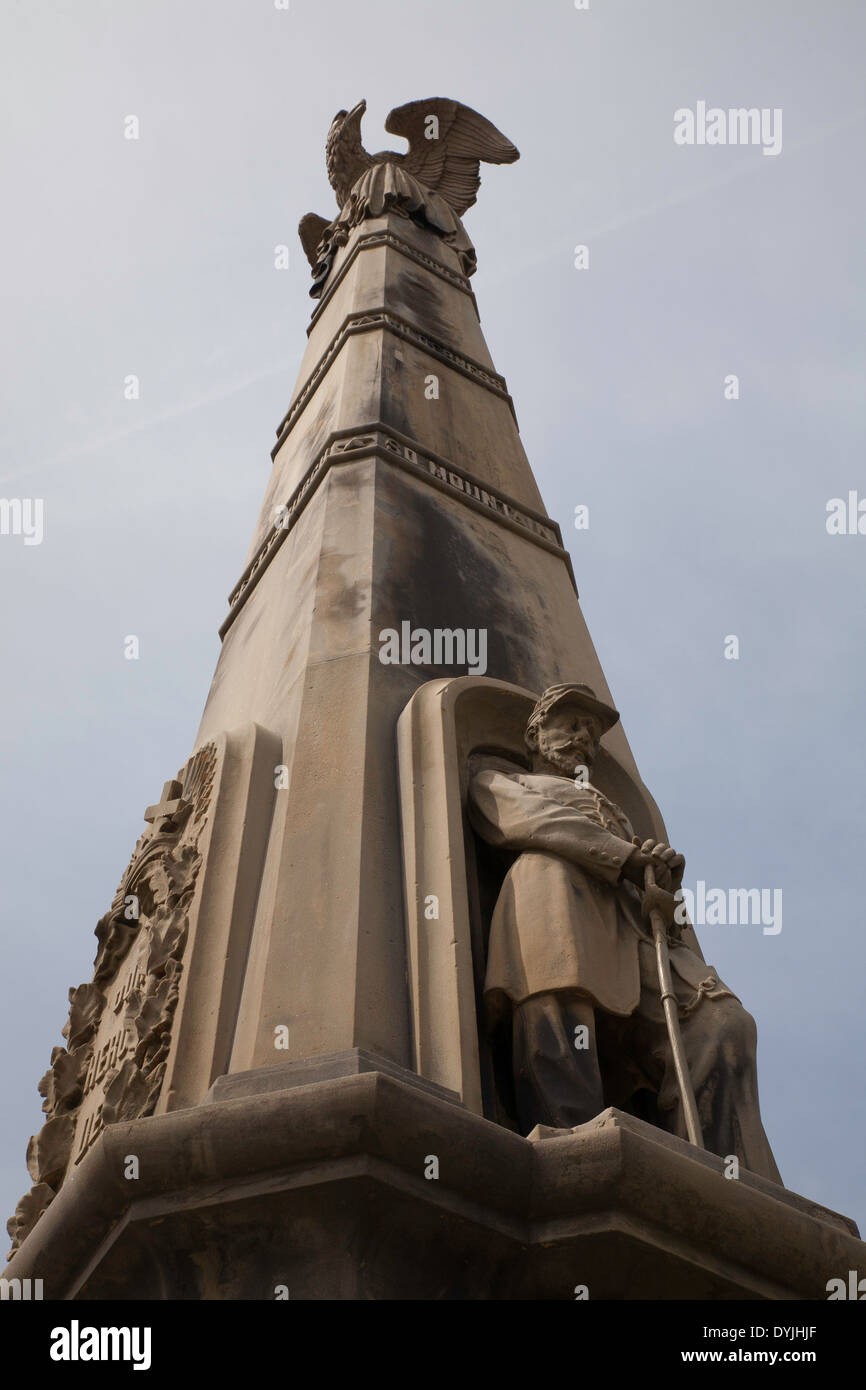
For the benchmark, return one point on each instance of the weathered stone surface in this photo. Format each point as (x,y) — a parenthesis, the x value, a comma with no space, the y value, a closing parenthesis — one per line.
(48,1151)
(119,1026)
(85,1007)
(61,1086)
(28,1212)
(379,489)
(321,1188)
(448,730)
(277,1033)
(128,1094)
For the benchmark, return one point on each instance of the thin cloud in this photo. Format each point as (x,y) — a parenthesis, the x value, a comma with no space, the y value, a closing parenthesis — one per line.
(97,442)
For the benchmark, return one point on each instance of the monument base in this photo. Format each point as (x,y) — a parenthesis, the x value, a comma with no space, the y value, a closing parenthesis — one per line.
(368,1185)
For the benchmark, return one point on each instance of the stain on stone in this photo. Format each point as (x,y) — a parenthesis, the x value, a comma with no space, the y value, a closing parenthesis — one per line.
(421,298)
(446,577)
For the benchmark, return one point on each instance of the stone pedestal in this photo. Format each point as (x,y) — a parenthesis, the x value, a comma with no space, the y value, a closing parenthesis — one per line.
(319,1190)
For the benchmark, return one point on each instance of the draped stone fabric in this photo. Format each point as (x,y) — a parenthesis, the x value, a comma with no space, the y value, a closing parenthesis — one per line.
(388,188)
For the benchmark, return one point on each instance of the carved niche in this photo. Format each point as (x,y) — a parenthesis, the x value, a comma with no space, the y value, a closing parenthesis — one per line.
(118,1033)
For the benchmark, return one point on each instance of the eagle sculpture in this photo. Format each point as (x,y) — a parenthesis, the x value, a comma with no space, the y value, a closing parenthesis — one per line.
(434,182)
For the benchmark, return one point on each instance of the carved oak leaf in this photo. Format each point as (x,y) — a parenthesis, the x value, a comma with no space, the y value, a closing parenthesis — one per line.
(126,1095)
(153,1050)
(167,940)
(153,886)
(27,1213)
(154,1060)
(115,934)
(45,1086)
(61,1085)
(153,1007)
(85,1007)
(163,878)
(168,880)
(48,1151)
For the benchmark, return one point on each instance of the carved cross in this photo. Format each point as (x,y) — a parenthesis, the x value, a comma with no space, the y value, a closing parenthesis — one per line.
(161,816)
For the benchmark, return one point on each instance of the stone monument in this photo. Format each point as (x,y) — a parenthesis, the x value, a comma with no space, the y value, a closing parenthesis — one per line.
(375,1011)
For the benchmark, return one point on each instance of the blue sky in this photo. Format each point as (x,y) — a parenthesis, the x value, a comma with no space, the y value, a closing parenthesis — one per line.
(707,516)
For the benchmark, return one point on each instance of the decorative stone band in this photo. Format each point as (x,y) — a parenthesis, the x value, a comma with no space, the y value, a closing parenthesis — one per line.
(393,323)
(345,446)
(395,243)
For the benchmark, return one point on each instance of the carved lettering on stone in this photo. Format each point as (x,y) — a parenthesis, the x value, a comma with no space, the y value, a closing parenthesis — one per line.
(119,1028)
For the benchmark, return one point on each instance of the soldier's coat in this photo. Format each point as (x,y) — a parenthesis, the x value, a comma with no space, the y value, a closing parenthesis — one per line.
(564,918)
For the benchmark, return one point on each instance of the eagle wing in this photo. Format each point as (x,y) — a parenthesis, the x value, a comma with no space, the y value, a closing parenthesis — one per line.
(310,229)
(448,162)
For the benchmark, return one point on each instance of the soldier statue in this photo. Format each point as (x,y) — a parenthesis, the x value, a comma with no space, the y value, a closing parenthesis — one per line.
(571,960)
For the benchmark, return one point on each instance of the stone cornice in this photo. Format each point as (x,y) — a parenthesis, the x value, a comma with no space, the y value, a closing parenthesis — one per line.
(370,242)
(547,1193)
(370,321)
(344,446)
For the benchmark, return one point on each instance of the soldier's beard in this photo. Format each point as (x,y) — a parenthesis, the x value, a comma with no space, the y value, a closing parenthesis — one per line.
(568,757)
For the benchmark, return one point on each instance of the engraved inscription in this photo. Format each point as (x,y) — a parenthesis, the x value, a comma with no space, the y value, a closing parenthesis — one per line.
(120,1024)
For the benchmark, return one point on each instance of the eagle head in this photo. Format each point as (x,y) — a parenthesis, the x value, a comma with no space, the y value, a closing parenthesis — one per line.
(346,156)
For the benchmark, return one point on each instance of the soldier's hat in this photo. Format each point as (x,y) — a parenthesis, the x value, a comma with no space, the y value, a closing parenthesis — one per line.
(581,696)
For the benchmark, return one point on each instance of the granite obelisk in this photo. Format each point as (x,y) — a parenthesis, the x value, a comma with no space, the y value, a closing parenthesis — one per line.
(278,1082)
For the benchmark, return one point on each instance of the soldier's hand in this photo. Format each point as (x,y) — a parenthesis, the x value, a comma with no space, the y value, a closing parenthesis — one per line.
(636,865)
(657,900)
(666,864)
